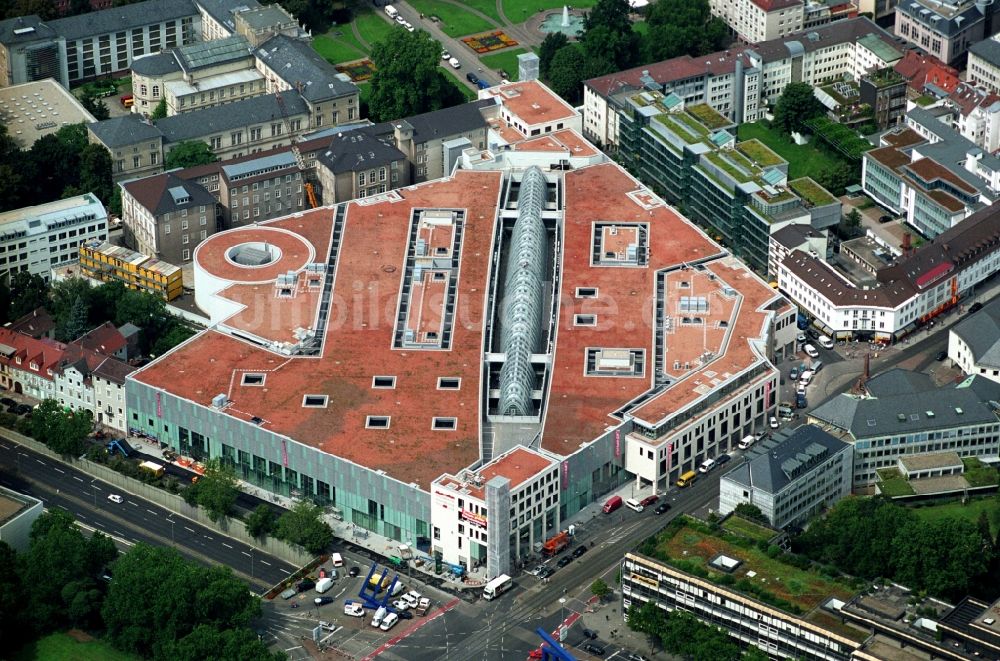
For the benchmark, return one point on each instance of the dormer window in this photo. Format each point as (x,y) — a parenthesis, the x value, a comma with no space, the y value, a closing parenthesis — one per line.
(18,360)
(33,365)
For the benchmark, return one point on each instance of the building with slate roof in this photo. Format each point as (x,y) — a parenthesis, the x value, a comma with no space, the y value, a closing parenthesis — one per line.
(358,164)
(944,29)
(974,342)
(166,217)
(983,68)
(261,23)
(31,50)
(201,75)
(790,477)
(913,418)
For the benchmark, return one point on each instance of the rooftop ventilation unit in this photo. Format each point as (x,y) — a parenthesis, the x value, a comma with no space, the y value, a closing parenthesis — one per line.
(220,401)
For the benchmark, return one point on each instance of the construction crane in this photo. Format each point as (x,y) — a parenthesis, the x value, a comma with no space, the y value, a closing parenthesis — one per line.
(296,152)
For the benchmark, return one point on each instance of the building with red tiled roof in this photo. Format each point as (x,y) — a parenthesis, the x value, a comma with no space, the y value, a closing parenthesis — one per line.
(385,353)
(927,74)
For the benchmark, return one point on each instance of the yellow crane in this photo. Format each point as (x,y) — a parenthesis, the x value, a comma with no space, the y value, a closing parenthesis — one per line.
(301,162)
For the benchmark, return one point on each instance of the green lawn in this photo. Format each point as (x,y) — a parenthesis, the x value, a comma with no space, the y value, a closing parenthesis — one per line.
(61,647)
(642,27)
(373,27)
(469,94)
(455,21)
(988,504)
(488,7)
(506,60)
(343,48)
(748,529)
(520,10)
(803,160)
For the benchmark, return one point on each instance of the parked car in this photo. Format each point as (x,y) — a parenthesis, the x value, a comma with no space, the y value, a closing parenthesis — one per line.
(563,561)
(706,466)
(773,422)
(649,500)
(801,338)
(354,571)
(405,615)
(455,64)
(593,649)
(825,342)
(661,508)
(323,601)
(354,609)
(289,593)
(794,374)
(389,621)
(975,307)
(412,598)
(472,78)
(545,572)
(884,219)
(483,84)
(399,19)
(722,459)
(810,350)
(941,356)
(22,409)
(813,333)
(589,633)
(579,550)
(445,55)
(306,584)
(7,401)
(401,605)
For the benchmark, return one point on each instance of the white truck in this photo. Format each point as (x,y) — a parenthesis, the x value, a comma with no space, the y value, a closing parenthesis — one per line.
(391,12)
(324,584)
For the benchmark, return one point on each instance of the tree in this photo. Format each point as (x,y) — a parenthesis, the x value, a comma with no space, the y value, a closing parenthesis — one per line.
(46,9)
(838,178)
(95,105)
(650,619)
(796,106)
(751,513)
(550,46)
(13,596)
(407,80)
(79,7)
(95,173)
(262,521)
(754,653)
(216,490)
(12,182)
(304,526)
(207,642)
(76,323)
(160,111)
(853,219)
(608,34)
(566,73)
(942,556)
(600,589)
(188,154)
(27,292)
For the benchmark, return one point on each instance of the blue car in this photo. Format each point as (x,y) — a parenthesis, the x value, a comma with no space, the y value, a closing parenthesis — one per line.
(482,84)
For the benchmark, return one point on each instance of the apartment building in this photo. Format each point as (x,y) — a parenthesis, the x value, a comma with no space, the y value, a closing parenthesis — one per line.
(884,91)
(201,75)
(166,217)
(975,114)
(34,239)
(790,477)
(974,343)
(905,413)
(358,164)
(926,74)
(946,29)
(899,291)
(138,146)
(740,191)
(260,188)
(794,237)
(105,262)
(741,83)
(259,24)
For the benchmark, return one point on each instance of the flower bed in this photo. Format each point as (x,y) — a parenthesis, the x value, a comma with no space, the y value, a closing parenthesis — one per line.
(489,41)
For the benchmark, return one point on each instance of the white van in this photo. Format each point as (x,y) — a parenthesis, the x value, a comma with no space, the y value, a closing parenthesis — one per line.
(391,12)
(389,621)
(706,466)
(397,588)
(746,442)
(379,616)
(806,378)
(634,504)
(324,584)
(337,560)
(825,342)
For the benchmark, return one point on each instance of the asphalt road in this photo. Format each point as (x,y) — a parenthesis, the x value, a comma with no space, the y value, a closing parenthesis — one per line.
(133,520)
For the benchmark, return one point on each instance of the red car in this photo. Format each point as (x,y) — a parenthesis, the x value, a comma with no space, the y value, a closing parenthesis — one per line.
(649,500)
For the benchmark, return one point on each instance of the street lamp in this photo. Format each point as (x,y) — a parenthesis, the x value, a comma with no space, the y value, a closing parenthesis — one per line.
(93,489)
(172,542)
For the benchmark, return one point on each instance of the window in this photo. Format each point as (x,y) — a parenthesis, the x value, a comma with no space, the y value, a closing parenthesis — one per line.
(377,422)
(253,379)
(185,255)
(444,424)
(585,320)
(586,292)
(449,383)
(314,401)
(387,382)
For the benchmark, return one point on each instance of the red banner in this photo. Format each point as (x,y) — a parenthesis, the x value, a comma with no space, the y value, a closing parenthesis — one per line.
(565,475)
(474,518)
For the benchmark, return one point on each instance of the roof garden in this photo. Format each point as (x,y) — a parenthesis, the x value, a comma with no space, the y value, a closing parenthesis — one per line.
(685,127)
(708,116)
(733,163)
(811,192)
(884,77)
(760,153)
(785,581)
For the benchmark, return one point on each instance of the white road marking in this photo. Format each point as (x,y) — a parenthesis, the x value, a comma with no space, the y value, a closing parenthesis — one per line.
(38,460)
(226,545)
(151,511)
(59,470)
(266,562)
(244,553)
(188,529)
(77,479)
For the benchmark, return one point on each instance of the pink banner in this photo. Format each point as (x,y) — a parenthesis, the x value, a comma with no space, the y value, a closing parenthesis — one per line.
(159,406)
(565,475)
(618,443)
(284,453)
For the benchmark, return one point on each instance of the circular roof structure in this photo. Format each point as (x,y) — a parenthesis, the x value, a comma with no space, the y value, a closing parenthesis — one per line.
(253,254)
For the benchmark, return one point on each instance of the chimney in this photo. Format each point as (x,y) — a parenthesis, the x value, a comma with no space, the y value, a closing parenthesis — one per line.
(859,387)
(907,243)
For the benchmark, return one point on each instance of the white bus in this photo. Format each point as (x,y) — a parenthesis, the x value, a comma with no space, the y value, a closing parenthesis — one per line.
(497,587)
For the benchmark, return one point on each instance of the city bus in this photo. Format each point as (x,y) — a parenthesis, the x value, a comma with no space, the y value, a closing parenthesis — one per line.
(497,587)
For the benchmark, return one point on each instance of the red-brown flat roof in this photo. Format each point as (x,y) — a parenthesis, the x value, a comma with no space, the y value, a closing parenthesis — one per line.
(532,102)
(358,346)
(518,466)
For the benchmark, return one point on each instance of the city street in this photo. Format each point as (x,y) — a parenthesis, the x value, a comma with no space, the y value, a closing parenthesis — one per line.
(132,520)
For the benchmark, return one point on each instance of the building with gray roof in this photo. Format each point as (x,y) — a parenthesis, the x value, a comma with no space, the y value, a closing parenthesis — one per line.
(983,68)
(166,217)
(944,29)
(358,164)
(790,477)
(923,418)
(218,17)
(260,24)
(974,342)
(31,50)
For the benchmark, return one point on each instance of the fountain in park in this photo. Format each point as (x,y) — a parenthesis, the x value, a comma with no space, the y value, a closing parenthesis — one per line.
(570,25)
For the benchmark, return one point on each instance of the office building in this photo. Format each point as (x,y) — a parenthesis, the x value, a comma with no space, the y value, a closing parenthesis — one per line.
(357,164)
(983,69)
(974,343)
(105,262)
(34,239)
(739,191)
(167,217)
(742,83)
(32,110)
(790,477)
(902,413)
